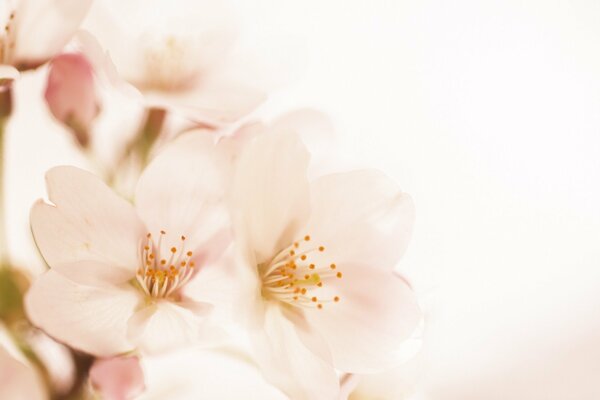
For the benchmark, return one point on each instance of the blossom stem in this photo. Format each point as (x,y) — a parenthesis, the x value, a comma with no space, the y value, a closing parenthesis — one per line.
(5,112)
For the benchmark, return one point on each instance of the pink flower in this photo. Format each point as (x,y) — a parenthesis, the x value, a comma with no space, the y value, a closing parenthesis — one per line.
(33,31)
(176,55)
(317,258)
(118,378)
(71,94)
(118,272)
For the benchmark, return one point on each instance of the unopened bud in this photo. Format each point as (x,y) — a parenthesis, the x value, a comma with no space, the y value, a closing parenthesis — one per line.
(71,95)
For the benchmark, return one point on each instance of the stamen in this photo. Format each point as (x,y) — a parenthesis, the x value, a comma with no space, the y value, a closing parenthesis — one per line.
(289,278)
(158,276)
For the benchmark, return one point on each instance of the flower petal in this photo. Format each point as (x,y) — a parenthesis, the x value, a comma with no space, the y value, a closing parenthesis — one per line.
(89,222)
(45,26)
(288,363)
(376,313)
(182,191)
(270,195)
(361,217)
(200,374)
(213,100)
(90,319)
(165,326)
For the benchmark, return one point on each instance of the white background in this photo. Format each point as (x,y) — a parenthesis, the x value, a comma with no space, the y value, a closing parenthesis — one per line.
(488,114)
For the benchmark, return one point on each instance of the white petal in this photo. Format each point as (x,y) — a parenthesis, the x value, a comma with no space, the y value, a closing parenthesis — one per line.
(361,217)
(200,374)
(89,222)
(376,313)
(90,319)
(182,192)
(213,100)
(164,326)
(270,195)
(289,364)
(45,26)
(8,73)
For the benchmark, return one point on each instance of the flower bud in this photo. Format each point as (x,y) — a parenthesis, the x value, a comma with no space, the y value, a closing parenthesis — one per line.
(71,95)
(118,378)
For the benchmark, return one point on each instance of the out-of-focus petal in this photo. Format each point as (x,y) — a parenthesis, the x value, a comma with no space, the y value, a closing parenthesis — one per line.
(43,27)
(288,363)
(270,194)
(8,73)
(164,326)
(213,100)
(117,378)
(361,217)
(366,328)
(200,374)
(88,222)
(182,192)
(71,312)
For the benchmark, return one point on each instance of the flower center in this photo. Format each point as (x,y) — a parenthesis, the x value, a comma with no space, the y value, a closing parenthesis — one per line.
(168,64)
(163,269)
(293,278)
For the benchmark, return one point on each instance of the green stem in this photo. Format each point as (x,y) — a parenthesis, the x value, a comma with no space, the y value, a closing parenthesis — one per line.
(5,111)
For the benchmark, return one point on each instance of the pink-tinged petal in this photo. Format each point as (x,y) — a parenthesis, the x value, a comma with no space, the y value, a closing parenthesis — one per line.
(193,373)
(43,27)
(93,273)
(288,363)
(90,319)
(164,326)
(182,192)
(88,222)
(366,328)
(71,93)
(360,217)
(270,193)
(117,378)
(19,380)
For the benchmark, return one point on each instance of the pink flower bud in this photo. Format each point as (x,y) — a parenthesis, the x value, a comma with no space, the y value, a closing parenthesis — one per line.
(118,378)
(70,93)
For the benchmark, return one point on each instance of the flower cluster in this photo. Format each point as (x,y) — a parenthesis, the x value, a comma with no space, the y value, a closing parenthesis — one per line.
(202,255)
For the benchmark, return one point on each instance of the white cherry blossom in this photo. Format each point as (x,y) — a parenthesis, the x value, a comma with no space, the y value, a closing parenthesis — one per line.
(118,272)
(317,258)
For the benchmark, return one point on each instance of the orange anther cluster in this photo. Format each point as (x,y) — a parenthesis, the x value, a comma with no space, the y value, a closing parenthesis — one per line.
(161,276)
(290,277)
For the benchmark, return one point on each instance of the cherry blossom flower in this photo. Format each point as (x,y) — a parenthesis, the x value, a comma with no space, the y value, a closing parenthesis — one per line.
(33,31)
(177,57)
(317,259)
(118,272)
